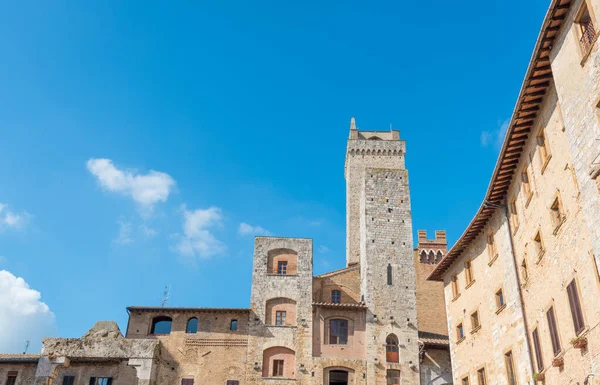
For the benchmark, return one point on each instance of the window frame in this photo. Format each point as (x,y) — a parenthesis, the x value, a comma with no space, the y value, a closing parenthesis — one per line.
(481,376)
(158,319)
(187,326)
(465,380)
(576,307)
(282,267)
(553,331)
(543,149)
(392,348)
(100,381)
(393,374)
(500,300)
(336,296)
(492,247)
(68,380)
(526,181)
(12,375)
(278,368)
(280,316)
(234,325)
(339,338)
(460,332)
(469,273)
(557,212)
(475,321)
(538,244)
(187,381)
(509,363)
(580,31)
(537,349)
(455,288)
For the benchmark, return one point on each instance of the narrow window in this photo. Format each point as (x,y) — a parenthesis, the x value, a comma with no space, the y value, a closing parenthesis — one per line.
(500,299)
(510,368)
(280,318)
(553,331)
(524,271)
(233,325)
(336,296)
(455,291)
(492,246)
(233,382)
(100,381)
(460,333)
(161,325)
(11,378)
(514,218)
(556,213)
(475,320)
(526,185)
(338,332)
(575,305)
(469,271)
(389,274)
(586,29)
(538,350)
(391,349)
(481,378)
(393,377)
(543,149)
(187,381)
(277,368)
(465,381)
(538,245)
(282,267)
(192,326)
(68,380)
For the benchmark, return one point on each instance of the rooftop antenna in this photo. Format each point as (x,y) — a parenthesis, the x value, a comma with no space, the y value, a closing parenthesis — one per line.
(166,296)
(391,127)
(26,346)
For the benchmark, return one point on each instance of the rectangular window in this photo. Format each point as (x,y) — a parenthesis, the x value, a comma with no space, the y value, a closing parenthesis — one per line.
(233,382)
(500,299)
(338,332)
(469,271)
(277,368)
(538,350)
(514,218)
(524,271)
(475,320)
(575,304)
(553,331)
(510,368)
(526,185)
(556,212)
(68,380)
(280,318)
(282,267)
(393,377)
(11,378)
(492,246)
(189,381)
(538,245)
(586,29)
(460,333)
(543,150)
(100,381)
(455,291)
(481,378)
(336,296)
(465,381)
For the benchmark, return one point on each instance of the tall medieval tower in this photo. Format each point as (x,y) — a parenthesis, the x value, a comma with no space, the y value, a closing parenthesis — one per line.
(379,238)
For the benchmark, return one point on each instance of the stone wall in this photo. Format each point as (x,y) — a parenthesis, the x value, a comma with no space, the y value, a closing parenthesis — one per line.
(25,371)
(436,368)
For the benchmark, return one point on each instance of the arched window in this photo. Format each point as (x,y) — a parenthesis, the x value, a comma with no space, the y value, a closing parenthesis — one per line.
(161,325)
(389,274)
(282,262)
(338,332)
(233,325)
(192,326)
(280,312)
(336,296)
(391,348)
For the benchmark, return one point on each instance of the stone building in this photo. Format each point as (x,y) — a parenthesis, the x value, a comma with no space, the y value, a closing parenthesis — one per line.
(522,283)
(376,321)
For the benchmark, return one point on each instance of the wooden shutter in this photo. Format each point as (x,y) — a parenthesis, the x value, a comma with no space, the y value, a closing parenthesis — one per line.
(538,350)
(553,331)
(575,305)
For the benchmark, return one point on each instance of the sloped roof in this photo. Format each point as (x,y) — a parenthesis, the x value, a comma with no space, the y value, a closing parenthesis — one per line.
(537,80)
(19,358)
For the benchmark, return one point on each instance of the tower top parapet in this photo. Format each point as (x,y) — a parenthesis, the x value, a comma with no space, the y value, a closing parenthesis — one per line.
(356,134)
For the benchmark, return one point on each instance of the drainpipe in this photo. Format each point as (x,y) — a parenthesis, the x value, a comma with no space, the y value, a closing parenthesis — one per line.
(512,251)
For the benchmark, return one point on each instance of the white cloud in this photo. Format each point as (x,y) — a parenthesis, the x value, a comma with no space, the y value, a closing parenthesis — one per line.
(197,239)
(246,229)
(323,249)
(148,232)
(124,237)
(494,137)
(10,219)
(22,315)
(146,190)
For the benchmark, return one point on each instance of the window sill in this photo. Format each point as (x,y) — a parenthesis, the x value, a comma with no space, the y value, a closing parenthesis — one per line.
(470,284)
(500,309)
(456,297)
(559,225)
(491,262)
(476,329)
(528,201)
(540,256)
(545,163)
(589,51)
(460,340)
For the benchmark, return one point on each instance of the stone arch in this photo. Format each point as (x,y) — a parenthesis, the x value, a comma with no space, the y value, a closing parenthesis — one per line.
(438,256)
(282,261)
(192,326)
(430,257)
(280,304)
(279,361)
(161,325)
(333,375)
(392,350)
(423,256)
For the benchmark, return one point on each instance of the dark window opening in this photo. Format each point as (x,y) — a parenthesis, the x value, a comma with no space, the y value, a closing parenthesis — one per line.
(556,348)
(389,274)
(277,368)
(338,377)
(192,326)
(282,267)
(336,296)
(11,379)
(338,332)
(538,350)
(510,368)
(280,318)
(393,377)
(68,380)
(100,380)
(233,382)
(160,325)
(575,304)
(187,381)
(233,325)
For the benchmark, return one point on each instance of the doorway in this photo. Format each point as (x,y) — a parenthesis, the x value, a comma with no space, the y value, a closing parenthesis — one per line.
(338,377)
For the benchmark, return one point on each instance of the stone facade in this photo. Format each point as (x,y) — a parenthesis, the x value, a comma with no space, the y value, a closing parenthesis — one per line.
(541,244)
(355,326)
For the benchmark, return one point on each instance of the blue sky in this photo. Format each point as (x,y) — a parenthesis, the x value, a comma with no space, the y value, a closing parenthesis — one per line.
(137,137)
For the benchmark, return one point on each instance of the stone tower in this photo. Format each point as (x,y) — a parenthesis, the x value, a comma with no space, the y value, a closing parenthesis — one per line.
(379,237)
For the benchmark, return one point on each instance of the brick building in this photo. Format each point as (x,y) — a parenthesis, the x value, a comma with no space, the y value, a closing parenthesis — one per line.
(376,321)
(522,283)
